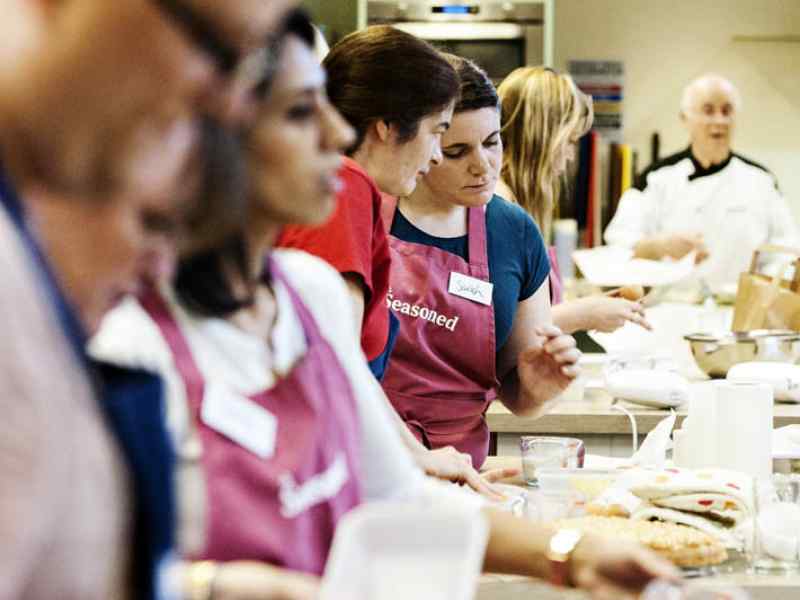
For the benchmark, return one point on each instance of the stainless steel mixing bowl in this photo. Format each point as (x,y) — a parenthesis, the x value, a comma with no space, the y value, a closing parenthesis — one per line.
(716,353)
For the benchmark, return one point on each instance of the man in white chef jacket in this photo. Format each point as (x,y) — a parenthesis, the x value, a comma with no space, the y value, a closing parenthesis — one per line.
(705,198)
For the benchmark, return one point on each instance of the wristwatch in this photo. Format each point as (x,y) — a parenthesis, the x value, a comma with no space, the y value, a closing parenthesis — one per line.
(559,552)
(201,579)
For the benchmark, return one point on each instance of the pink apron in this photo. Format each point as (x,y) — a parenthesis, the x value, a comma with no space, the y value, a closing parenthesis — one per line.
(556,283)
(281,510)
(441,375)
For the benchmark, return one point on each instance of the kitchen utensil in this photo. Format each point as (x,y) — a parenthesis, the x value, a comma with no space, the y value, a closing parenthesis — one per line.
(659,389)
(716,353)
(783,377)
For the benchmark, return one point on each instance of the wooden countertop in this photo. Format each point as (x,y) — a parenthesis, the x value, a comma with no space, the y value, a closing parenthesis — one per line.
(594,415)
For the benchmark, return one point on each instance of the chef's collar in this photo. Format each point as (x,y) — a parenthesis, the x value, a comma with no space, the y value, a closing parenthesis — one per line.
(701,171)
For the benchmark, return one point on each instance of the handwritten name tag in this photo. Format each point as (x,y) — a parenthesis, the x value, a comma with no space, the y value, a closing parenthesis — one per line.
(240,419)
(470,288)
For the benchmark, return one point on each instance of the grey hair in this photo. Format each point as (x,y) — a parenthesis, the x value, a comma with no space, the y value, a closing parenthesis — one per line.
(706,80)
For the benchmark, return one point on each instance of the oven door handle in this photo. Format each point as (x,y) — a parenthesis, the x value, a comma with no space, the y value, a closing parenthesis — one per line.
(463,31)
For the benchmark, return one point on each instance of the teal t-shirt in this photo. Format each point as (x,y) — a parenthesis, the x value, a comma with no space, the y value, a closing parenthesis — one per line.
(518,262)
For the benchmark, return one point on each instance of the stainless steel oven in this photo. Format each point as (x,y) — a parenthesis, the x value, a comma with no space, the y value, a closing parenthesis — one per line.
(499,36)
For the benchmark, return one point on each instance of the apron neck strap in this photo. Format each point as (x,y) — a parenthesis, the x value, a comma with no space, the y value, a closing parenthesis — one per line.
(307,321)
(157,308)
(476,236)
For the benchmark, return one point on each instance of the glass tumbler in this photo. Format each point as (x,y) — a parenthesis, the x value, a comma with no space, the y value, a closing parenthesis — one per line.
(544,452)
(776,531)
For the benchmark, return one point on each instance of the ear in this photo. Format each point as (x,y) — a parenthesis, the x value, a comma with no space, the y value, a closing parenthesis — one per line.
(383,130)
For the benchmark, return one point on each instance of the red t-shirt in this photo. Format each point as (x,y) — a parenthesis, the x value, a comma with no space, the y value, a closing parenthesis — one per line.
(354,241)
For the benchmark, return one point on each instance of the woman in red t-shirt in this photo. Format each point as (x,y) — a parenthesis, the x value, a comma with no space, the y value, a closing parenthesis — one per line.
(399,114)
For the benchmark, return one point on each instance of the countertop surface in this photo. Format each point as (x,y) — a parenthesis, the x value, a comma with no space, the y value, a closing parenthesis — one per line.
(594,415)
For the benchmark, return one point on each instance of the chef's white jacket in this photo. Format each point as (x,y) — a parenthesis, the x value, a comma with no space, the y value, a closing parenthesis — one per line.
(736,205)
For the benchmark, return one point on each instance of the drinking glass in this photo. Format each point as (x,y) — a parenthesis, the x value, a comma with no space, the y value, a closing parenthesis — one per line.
(776,531)
(549,452)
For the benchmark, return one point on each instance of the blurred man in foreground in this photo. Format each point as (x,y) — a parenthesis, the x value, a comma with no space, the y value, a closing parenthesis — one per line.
(100,111)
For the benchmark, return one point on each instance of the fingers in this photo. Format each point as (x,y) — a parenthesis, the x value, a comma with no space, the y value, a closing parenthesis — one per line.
(636,315)
(548,331)
(559,344)
(496,475)
(478,483)
(657,567)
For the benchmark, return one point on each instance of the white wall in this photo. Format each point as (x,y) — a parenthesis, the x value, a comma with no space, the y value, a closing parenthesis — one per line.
(665,43)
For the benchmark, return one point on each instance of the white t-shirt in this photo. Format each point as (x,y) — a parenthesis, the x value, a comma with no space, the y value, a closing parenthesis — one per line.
(735,205)
(226,354)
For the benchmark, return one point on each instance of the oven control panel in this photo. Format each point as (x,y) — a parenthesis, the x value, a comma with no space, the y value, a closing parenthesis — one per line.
(382,11)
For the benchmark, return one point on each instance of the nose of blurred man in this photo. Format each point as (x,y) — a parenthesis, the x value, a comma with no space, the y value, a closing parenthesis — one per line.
(437,157)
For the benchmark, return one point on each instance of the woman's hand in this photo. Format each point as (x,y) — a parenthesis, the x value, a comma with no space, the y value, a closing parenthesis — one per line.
(451,465)
(250,580)
(613,569)
(546,368)
(605,314)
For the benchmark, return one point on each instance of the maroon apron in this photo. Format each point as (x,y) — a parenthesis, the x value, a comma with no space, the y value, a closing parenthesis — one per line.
(441,375)
(556,282)
(281,510)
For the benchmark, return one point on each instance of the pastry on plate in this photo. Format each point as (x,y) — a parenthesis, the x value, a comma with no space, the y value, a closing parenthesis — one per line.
(684,546)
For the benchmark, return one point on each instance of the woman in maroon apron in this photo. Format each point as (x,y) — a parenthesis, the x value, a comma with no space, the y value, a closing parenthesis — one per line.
(543,116)
(269,459)
(469,285)
(278,426)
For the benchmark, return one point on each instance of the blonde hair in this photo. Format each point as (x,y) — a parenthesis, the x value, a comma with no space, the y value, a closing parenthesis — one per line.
(542,112)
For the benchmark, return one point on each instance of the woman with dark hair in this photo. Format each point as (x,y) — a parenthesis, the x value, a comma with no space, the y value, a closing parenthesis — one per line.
(279,423)
(398,92)
(233,340)
(466,264)
(399,114)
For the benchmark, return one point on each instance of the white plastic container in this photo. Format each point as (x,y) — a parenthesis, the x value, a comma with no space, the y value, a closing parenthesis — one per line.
(389,551)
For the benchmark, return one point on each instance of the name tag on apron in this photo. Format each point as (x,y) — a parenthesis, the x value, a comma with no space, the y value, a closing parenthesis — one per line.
(470,288)
(240,419)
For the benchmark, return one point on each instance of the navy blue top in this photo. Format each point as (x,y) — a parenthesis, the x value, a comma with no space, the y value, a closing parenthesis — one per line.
(518,262)
(132,402)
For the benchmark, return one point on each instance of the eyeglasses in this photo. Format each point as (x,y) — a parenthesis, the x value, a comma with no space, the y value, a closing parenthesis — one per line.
(248,68)
(202,33)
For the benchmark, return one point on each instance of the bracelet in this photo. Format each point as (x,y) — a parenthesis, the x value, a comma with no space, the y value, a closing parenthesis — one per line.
(559,555)
(202,575)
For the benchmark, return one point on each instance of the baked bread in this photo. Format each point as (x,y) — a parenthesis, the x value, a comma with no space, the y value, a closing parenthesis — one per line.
(630,292)
(684,546)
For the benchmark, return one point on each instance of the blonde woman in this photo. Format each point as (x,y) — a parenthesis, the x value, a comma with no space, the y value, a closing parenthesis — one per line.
(543,116)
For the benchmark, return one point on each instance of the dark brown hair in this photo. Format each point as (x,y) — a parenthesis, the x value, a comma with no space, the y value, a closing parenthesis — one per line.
(477,90)
(203,280)
(382,73)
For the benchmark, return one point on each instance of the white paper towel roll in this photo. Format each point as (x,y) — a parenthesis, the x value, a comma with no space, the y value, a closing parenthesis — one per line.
(681,451)
(701,443)
(743,418)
